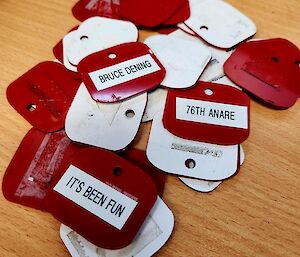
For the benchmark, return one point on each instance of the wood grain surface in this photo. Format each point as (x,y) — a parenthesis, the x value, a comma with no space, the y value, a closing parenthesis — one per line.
(256,213)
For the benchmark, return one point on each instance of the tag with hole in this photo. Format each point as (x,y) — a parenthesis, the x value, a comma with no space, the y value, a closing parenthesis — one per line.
(34,164)
(98,197)
(85,9)
(209,112)
(153,13)
(138,158)
(190,158)
(219,24)
(156,102)
(184,61)
(43,95)
(111,126)
(153,234)
(205,186)
(269,69)
(93,35)
(120,72)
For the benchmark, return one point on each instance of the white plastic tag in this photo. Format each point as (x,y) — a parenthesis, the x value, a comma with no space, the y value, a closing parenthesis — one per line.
(67,41)
(214,71)
(199,185)
(153,234)
(219,23)
(124,72)
(156,102)
(189,158)
(205,186)
(227,115)
(93,35)
(96,197)
(184,60)
(111,126)
(186,29)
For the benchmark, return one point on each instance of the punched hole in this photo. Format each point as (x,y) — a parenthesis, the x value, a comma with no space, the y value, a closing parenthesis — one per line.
(112,56)
(297,63)
(190,164)
(208,91)
(117,171)
(31,179)
(130,113)
(204,28)
(82,38)
(275,59)
(31,107)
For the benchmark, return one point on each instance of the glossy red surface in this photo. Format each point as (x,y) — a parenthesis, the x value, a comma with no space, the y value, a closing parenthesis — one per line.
(132,181)
(209,133)
(43,95)
(268,69)
(123,52)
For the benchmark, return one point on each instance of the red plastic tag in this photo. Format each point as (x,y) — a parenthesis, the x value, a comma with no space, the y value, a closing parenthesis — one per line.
(85,9)
(43,95)
(58,49)
(150,13)
(209,112)
(180,15)
(34,164)
(269,69)
(120,72)
(98,196)
(139,158)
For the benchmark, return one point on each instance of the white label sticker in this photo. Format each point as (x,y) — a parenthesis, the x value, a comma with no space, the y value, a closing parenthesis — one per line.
(212,113)
(96,197)
(124,72)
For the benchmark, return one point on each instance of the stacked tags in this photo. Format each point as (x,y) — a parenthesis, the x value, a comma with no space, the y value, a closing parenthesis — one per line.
(62,167)
(90,103)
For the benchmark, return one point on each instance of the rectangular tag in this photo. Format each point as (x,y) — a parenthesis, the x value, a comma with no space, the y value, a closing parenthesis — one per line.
(96,197)
(212,113)
(124,72)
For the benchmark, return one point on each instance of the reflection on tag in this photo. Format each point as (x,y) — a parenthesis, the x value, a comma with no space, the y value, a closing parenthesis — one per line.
(184,61)
(190,158)
(219,23)
(153,234)
(98,197)
(156,102)
(205,186)
(109,126)
(93,35)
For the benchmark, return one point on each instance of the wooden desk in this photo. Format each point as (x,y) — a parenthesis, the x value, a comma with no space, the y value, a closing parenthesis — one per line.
(256,213)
